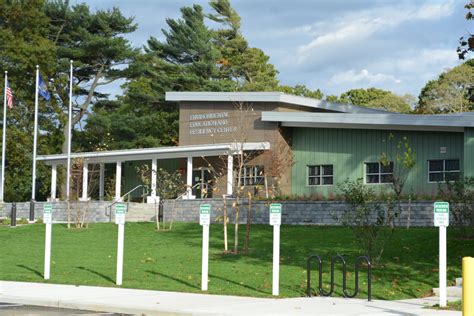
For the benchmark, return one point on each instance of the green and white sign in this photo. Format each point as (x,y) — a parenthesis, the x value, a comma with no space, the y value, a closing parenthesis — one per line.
(120,210)
(275,214)
(48,213)
(205,214)
(441,214)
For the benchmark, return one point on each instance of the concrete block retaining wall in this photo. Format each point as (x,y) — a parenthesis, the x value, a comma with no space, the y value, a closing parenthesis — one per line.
(294,212)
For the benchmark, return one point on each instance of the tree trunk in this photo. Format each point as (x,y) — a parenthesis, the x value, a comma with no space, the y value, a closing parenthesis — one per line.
(225,225)
(236,230)
(249,221)
(157,215)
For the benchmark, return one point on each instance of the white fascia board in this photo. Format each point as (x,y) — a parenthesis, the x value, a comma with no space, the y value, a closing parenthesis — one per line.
(342,120)
(277,97)
(155,153)
(139,154)
(376,127)
(224,96)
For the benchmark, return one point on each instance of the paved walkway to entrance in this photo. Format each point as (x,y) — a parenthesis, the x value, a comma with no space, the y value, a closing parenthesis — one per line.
(131,301)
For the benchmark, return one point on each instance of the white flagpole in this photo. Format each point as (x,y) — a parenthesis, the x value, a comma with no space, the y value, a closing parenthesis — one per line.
(35,137)
(4,136)
(69,138)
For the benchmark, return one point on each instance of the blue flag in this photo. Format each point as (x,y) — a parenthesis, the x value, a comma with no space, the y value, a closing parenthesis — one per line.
(43,89)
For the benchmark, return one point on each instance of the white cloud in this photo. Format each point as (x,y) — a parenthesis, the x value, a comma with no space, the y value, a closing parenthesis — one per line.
(354,27)
(362,78)
(427,59)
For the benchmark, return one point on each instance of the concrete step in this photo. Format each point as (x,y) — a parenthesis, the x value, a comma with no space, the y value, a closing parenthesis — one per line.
(451,291)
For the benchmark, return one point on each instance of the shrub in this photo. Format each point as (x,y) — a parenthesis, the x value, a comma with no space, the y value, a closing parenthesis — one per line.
(366,218)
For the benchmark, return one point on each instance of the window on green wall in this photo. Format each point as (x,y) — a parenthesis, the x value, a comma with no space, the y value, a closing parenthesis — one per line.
(443,170)
(376,172)
(321,175)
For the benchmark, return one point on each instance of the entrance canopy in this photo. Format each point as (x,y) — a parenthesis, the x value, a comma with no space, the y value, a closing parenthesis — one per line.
(112,156)
(153,154)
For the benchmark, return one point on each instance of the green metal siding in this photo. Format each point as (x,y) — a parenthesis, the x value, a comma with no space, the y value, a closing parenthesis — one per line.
(130,175)
(469,152)
(348,149)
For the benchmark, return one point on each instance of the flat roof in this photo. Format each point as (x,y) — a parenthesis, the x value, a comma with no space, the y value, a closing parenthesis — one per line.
(112,156)
(268,97)
(450,123)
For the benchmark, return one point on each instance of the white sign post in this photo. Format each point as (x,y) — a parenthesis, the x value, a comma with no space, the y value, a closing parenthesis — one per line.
(205,221)
(275,221)
(120,210)
(48,220)
(441,220)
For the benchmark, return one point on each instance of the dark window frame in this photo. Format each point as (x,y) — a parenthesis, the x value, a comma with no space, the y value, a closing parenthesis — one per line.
(443,172)
(380,174)
(321,176)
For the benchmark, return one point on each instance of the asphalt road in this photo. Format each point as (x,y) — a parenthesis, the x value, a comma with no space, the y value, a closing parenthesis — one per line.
(18,309)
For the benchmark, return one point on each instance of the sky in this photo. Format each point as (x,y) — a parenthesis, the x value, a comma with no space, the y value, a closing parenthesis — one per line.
(333,45)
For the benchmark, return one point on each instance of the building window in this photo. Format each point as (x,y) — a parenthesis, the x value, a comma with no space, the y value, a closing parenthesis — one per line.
(252,175)
(377,172)
(320,175)
(443,170)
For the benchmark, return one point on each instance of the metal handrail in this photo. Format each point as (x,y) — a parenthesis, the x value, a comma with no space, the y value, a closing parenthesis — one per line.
(187,190)
(122,198)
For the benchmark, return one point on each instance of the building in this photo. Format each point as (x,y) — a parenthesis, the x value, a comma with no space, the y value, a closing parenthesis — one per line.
(273,143)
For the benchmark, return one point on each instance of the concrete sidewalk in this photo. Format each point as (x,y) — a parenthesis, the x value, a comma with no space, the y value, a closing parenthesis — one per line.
(145,302)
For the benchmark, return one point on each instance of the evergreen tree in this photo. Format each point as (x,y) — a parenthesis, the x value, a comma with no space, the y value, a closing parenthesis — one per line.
(23,45)
(96,43)
(302,91)
(248,67)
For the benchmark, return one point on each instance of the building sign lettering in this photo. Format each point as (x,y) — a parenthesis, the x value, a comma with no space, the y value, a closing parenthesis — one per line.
(210,123)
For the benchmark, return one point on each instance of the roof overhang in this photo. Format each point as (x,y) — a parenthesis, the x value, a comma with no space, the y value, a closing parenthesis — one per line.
(372,121)
(113,156)
(276,97)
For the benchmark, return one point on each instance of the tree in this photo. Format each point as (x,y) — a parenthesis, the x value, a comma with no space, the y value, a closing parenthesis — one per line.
(362,96)
(451,92)
(302,91)
(466,44)
(96,43)
(376,98)
(365,217)
(24,44)
(169,186)
(394,103)
(402,160)
(248,67)
(189,57)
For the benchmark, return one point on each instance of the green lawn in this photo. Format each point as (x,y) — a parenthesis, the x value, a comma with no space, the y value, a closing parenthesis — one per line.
(171,260)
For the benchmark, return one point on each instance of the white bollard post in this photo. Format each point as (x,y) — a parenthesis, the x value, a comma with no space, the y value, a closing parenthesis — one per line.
(47,252)
(120,210)
(442,266)
(205,257)
(47,219)
(441,220)
(276,260)
(121,233)
(275,221)
(205,221)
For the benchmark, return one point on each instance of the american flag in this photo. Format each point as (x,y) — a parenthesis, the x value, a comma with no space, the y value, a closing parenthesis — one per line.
(9,97)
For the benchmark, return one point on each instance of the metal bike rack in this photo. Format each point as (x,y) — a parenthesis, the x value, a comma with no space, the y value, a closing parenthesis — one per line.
(334,260)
